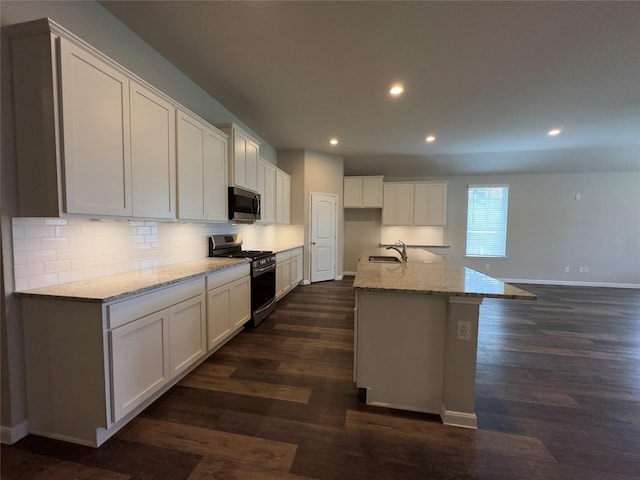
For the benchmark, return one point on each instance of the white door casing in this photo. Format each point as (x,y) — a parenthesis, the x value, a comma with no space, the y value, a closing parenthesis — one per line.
(323,236)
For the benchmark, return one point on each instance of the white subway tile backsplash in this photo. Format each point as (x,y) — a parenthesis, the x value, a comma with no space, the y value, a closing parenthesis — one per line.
(70,276)
(55,243)
(19,258)
(57,266)
(48,251)
(43,280)
(27,221)
(68,231)
(38,231)
(26,244)
(28,270)
(55,221)
(38,256)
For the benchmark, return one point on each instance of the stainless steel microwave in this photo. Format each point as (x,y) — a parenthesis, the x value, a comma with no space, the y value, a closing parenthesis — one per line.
(244,205)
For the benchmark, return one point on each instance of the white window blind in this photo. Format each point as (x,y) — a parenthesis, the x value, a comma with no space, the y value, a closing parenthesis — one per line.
(487,220)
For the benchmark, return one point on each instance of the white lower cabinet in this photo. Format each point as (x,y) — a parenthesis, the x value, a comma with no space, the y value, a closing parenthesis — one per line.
(91,366)
(148,352)
(139,361)
(187,333)
(296,266)
(288,271)
(283,273)
(228,304)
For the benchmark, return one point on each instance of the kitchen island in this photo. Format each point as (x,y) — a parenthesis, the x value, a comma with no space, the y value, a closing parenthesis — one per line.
(416,332)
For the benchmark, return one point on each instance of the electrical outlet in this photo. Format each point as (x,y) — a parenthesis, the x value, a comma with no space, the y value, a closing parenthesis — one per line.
(464,330)
(586,269)
(487,266)
(581,269)
(566,269)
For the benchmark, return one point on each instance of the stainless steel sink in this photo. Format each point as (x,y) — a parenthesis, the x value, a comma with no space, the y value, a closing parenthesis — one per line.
(383,259)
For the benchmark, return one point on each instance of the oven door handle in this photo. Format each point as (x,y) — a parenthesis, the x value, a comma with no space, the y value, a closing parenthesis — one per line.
(259,271)
(265,307)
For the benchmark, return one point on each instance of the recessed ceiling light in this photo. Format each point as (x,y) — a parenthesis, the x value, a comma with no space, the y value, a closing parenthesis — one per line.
(430,139)
(396,89)
(333,141)
(554,132)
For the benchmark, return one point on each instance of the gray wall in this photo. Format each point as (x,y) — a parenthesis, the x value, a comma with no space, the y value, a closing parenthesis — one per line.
(314,172)
(95,25)
(548,228)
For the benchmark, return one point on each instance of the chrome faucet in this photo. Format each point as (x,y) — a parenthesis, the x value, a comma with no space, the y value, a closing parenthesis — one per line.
(402,252)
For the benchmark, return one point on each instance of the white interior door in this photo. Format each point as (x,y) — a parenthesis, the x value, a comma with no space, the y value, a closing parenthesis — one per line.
(323,237)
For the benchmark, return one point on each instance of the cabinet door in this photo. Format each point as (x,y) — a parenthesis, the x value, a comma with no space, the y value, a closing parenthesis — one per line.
(283,278)
(97,155)
(389,205)
(191,174)
(187,333)
(239,159)
(240,301)
(352,192)
(404,204)
(372,192)
(267,190)
(215,173)
(218,315)
(421,204)
(252,152)
(139,361)
(430,204)
(438,204)
(296,270)
(283,192)
(153,159)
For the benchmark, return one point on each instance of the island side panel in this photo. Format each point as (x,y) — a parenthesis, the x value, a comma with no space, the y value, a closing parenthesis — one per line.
(458,401)
(400,349)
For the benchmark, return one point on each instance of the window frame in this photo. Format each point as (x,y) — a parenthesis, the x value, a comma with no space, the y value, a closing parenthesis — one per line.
(505,222)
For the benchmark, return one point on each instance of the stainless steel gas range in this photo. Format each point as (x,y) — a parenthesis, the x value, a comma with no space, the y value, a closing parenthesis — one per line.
(263,273)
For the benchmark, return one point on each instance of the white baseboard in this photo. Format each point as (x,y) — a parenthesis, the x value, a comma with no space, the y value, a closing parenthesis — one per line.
(458,419)
(349,274)
(570,283)
(10,435)
(339,277)
(305,282)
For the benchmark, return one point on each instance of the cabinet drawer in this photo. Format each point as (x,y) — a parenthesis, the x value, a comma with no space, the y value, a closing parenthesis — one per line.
(228,275)
(122,312)
(296,252)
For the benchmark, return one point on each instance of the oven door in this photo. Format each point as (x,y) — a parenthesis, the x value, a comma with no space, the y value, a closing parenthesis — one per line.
(263,292)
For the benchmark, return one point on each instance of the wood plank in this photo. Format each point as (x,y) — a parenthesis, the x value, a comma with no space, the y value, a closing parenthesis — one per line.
(271,455)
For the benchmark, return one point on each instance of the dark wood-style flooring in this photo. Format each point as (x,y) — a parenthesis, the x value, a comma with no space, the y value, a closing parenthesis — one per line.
(558,397)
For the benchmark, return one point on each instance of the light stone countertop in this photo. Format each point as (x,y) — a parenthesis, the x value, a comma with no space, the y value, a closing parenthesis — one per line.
(117,287)
(279,248)
(428,273)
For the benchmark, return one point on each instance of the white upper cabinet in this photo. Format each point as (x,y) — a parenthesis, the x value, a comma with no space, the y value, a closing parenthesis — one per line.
(415,203)
(398,204)
(430,204)
(244,153)
(101,141)
(95,118)
(267,191)
(202,166)
(283,197)
(363,192)
(153,154)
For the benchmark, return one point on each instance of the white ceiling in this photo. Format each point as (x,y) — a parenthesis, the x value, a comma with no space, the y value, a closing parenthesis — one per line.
(488,78)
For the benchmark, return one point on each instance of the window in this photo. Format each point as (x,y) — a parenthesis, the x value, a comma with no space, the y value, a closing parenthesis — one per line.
(487,220)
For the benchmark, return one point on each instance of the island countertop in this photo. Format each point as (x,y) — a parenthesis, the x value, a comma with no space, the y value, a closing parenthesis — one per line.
(119,286)
(428,273)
